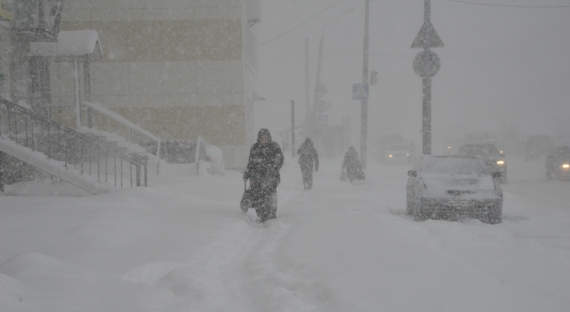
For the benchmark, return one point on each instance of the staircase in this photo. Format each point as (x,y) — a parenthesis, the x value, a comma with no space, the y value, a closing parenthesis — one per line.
(113,127)
(81,159)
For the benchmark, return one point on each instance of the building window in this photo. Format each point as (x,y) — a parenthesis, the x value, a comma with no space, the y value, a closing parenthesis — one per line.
(39,19)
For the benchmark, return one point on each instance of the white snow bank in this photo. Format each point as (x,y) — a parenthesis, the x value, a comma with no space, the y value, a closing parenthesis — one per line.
(44,187)
(37,266)
(216,159)
(12,295)
(55,285)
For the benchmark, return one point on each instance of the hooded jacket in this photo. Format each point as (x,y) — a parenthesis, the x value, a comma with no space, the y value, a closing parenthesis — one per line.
(308,156)
(265,160)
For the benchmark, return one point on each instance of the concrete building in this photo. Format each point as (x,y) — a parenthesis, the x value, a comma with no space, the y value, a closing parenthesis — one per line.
(26,78)
(178,68)
(5,19)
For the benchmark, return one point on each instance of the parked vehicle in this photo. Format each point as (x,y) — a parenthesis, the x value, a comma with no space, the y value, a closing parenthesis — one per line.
(491,155)
(450,187)
(558,163)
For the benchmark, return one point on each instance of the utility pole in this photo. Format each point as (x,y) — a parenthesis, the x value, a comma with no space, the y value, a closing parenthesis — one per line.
(318,94)
(293,128)
(308,113)
(365,78)
(426,65)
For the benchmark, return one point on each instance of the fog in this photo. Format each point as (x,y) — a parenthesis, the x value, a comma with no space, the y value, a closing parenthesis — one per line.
(133,167)
(504,69)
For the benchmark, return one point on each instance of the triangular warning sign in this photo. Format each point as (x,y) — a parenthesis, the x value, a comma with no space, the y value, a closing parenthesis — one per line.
(427,37)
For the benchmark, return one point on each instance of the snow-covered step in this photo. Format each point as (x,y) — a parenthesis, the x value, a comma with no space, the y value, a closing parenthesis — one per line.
(52,167)
(87,161)
(123,143)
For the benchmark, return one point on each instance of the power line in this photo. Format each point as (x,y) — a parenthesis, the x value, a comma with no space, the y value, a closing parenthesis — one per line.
(301,23)
(513,5)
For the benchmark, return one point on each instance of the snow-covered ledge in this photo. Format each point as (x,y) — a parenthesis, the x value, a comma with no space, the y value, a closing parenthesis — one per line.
(75,43)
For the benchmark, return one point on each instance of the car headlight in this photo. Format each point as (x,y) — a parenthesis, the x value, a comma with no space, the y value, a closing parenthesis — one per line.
(390,156)
(566,166)
(500,162)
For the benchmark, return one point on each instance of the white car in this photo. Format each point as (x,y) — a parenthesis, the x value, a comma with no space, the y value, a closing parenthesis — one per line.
(454,186)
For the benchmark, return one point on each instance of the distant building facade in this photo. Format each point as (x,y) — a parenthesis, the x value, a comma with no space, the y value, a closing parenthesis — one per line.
(178,68)
(24,78)
(5,18)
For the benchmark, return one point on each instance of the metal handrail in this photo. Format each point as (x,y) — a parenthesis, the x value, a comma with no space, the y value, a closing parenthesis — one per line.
(88,154)
(133,130)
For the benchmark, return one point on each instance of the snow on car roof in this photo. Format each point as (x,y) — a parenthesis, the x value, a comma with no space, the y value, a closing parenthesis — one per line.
(483,149)
(454,165)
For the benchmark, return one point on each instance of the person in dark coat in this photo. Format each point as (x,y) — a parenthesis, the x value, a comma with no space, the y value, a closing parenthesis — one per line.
(351,166)
(265,161)
(309,161)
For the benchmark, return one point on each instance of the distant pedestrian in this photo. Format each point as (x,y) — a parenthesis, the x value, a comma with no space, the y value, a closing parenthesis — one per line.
(351,166)
(309,161)
(265,161)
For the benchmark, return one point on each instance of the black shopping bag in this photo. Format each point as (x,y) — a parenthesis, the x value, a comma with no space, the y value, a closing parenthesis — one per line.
(246,199)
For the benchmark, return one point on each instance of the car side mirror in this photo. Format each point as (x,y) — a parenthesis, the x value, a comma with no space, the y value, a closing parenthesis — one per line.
(412,173)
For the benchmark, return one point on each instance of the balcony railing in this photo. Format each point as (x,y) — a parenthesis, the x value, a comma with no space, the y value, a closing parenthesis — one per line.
(37,19)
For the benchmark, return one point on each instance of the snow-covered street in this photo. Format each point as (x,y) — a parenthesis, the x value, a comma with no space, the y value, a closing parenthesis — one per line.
(183,245)
(395,156)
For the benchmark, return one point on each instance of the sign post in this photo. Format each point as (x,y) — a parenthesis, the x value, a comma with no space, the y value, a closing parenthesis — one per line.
(292,128)
(365,80)
(426,65)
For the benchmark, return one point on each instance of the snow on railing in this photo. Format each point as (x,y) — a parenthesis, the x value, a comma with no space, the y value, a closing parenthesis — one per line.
(131,127)
(88,155)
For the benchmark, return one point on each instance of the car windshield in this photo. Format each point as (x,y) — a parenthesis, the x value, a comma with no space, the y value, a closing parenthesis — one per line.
(453,166)
(480,150)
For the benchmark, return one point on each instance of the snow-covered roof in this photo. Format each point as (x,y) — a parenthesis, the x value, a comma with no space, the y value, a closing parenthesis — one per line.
(70,44)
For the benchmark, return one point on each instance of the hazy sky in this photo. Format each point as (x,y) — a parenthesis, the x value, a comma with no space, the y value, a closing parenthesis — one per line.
(504,69)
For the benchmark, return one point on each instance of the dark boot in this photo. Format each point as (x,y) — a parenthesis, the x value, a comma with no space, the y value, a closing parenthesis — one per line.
(307,178)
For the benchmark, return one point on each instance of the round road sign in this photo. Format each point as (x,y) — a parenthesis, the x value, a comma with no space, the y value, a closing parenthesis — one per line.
(427,64)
